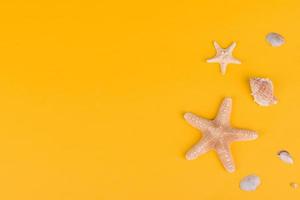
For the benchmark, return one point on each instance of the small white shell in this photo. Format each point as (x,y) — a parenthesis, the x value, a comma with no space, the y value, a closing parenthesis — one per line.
(250,183)
(274,39)
(294,185)
(262,91)
(285,157)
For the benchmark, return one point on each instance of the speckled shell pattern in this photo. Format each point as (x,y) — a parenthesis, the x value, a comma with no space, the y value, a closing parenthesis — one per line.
(262,91)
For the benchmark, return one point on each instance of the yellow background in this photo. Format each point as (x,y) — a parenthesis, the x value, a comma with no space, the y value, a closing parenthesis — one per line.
(93,93)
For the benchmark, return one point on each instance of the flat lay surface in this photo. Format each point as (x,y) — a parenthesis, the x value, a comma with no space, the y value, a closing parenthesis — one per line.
(93,95)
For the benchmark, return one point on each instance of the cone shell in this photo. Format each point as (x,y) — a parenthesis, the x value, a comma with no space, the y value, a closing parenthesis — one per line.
(262,91)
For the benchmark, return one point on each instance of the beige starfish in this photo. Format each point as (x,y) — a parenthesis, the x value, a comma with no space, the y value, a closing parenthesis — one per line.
(224,57)
(217,135)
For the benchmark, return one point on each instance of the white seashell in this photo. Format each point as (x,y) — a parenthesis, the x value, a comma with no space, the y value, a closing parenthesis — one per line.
(285,157)
(294,185)
(262,91)
(250,183)
(274,39)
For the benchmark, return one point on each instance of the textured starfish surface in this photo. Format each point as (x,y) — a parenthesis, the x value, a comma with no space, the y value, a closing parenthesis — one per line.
(224,57)
(217,135)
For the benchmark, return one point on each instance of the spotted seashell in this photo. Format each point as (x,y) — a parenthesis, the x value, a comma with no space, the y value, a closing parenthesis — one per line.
(285,157)
(294,185)
(262,91)
(274,39)
(250,183)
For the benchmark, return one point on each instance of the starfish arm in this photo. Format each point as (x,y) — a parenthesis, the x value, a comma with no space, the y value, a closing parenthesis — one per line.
(217,46)
(241,135)
(203,146)
(213,60)
(223,116)
(197,122)
(234,61)
(223,67)
(225,156)
(231,47)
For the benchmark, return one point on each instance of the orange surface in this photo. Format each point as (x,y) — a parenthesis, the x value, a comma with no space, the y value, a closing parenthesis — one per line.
(93,93)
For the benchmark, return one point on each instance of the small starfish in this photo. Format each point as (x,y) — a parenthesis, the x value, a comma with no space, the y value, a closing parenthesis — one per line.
(224,57)
(217,135)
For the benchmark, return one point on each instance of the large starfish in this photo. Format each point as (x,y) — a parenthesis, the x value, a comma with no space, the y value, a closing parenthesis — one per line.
(224,57)
(217,135)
